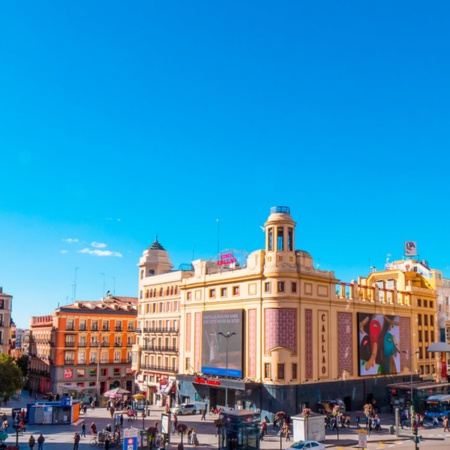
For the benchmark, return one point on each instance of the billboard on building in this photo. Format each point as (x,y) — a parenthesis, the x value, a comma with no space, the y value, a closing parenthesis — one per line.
(379,340)
(216,325)
(410,248)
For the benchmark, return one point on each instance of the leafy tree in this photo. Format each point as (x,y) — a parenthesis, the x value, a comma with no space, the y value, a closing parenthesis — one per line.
(22,362)
(10,376)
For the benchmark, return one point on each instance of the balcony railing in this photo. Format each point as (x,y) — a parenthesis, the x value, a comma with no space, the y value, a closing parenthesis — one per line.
(118,328)
(159,368)
(70,344)
(105,328)
(69,361)
(130,328)
(70,328)
(82,344)
(94,327)
(82,327)
(160,348)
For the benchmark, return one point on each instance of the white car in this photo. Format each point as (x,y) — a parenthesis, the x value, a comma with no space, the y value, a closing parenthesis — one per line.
(304,445)
(184,408)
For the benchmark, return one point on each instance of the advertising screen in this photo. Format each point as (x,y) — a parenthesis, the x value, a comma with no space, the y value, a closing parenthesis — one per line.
(379,340)
(216,325)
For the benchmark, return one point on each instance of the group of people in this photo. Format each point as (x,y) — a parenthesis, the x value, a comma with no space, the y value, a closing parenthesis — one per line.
(281,426)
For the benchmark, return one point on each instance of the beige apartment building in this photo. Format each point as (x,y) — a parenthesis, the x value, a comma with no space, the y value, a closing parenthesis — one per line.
(5,322)
(274,333)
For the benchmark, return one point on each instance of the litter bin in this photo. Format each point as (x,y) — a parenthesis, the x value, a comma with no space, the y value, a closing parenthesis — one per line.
(391,429)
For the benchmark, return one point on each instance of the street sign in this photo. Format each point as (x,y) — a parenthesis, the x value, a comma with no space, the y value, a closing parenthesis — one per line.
(130,443)
(362,440)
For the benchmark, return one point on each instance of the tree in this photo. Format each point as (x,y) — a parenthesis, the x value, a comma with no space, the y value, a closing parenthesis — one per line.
(22,362)
(11,378)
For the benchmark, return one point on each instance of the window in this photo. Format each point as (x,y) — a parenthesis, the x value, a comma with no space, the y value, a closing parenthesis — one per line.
(82,326)
(290,239)
(105,326)
(425,303)
(104,358)
(235,290)
(432,320)
(294,288)
(267,286)
(104,372)
(187,365)
(431,304)
(212,293)
(280,238)
(81,358)
(223,292)
(270,239)
(116,356)
(117,371)
(93,372)
(420,336)
(70,326)
(280,371)
(281,286)
(419,302)
(189,295)
(425,317)
(294,371)
(267,370)
(119,325)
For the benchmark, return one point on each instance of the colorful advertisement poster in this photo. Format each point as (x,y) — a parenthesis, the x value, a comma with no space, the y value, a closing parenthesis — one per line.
(379,338)
(217,348)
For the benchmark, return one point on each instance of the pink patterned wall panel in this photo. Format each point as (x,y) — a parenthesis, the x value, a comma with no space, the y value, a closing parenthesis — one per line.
(405,342)
(281,329)
(345,342)
(308,344)
(251,339)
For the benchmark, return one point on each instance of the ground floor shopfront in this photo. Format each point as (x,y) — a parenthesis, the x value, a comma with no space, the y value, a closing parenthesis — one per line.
(270,398)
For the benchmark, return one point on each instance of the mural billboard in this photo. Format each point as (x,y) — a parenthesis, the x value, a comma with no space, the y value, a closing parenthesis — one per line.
(379,340)
(214,344)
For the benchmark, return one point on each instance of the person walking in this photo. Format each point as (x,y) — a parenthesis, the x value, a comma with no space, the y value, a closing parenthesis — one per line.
(41,440)
(31,441)
(435,422)
(445,423)
(83,429)
(76,441)
(93,428)
(107,443)
(174,423)
(203,413)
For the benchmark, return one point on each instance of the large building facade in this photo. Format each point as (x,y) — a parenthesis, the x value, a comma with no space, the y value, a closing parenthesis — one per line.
(84,349)
(5,321)
(275,333)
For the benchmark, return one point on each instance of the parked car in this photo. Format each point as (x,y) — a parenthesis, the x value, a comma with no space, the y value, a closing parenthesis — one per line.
(326,406)
(184,408)
(304,445)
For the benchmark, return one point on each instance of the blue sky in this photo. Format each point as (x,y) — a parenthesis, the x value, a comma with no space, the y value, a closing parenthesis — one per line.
(119,121)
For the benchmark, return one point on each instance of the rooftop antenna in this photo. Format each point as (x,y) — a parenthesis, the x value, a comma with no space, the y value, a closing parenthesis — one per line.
(75,285)
(218,237)
(103,291)
(114,285)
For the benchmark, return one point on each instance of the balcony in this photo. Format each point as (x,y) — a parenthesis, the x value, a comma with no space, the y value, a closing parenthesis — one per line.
(117,344)
(105,328)
(82,344)
(82,327)
(137,330)
(94,328)
(118,328)
(70,327)
(69,344)
(130,329)
(69,361)
(161,348)
(159,368)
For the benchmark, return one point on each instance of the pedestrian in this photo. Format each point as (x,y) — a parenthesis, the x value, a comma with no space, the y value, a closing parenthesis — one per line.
(121,420)
(93,404)
(76,441)
(31,442)
(203,413)
(445,423)
(174,423)
(41,440)
(435,422)
(84,409)
(107,443)
(83,429)
(111,412)
(93,428)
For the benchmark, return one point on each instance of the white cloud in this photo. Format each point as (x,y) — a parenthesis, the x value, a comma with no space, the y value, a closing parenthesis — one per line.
(100,252)
(63,251)
(98,244)
(70,240)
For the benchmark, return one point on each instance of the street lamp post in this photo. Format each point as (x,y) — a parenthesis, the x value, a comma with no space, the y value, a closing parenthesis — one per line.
(98,343)
(227,336)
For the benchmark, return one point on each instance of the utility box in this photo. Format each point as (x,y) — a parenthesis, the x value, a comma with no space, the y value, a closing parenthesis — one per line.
(308,428)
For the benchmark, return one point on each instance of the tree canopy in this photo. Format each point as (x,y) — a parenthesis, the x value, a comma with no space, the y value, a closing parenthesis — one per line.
(11,378)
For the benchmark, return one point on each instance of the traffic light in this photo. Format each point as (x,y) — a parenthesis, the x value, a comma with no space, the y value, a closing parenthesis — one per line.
(415,431)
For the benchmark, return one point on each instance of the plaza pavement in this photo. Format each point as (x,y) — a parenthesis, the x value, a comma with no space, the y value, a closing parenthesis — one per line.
(60,437)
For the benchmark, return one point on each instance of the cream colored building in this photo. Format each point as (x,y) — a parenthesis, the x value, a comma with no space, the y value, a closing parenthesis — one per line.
(5,322)
(273,332)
